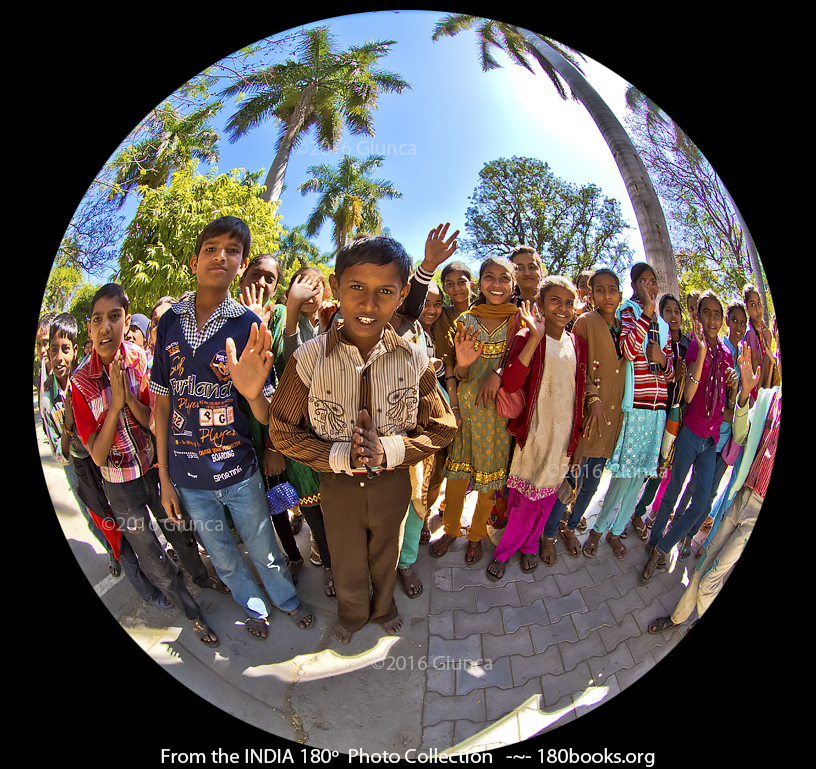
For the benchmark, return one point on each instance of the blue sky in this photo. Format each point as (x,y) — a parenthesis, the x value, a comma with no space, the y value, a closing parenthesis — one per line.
(438,135)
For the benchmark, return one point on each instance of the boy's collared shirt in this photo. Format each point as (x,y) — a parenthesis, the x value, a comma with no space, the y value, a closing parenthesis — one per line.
(327,383)
(131,454)
(209,441)
(53,425)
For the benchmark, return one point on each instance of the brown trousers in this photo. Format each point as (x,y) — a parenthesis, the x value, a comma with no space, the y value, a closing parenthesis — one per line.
(364,519)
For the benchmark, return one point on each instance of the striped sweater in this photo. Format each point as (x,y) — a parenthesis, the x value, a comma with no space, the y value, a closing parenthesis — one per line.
(650,391)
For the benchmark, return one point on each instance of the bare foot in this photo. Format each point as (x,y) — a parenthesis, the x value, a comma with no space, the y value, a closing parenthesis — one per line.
(393,626)
(341,634)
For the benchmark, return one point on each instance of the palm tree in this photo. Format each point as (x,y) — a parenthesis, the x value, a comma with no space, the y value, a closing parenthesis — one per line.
(323,88)
(349,197)
(173,140)
(560,65)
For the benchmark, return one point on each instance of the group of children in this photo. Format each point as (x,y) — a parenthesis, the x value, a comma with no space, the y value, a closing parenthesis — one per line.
(365,393)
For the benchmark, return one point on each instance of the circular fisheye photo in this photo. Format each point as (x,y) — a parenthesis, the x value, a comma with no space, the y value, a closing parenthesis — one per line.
(407,387)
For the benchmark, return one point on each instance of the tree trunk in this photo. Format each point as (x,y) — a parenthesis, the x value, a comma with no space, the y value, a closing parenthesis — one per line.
(274,179)
(650,218)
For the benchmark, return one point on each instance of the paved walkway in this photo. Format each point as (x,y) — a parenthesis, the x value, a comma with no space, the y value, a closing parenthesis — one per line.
(478,665)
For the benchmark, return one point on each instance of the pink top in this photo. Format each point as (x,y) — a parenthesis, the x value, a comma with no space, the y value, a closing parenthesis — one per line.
(696,419)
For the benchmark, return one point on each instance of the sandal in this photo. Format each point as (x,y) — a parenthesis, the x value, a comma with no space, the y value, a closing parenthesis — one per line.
(162,602)
(571,543)
(411,583)
(590,547)
(202,632)
(474,552)
(499,568)
(618,548)
(582,524)
(661,624)
(625,533)
(529,561)
(547,551)
(642,529)
(443,544)
(328,583)
(652,564)
(685,549)
(300,615)
(314,555)
(261,625)
(215,583)
(425,533)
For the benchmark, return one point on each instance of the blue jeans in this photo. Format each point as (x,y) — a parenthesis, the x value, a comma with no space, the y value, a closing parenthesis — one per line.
(689,450)
(591,470)
(247,506)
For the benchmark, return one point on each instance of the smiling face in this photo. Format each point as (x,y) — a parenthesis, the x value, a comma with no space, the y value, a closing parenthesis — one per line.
(433,305)
(528,273)
(106,328)
(737,322)
(558,308)
(61,352)
(369,294)
(496,283)
(263,274)
(710,316)
(458,286)
(673,315)
(217,263)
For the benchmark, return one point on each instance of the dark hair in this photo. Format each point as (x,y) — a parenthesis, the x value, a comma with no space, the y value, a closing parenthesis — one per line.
(709,294)
(525,250)
(638,268)
(377,250)
(65,325)
(556,280)
(668,298)
(747,290)
(257,260)
(736,305)
(502,262)
(227,225)
(45,320)
(110,291)
(588,273)
(602,271)
(307,268)
(455,267)
(163,300)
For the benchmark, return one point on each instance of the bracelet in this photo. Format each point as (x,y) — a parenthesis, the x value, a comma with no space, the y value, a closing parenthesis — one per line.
(592,399)
(454,408)
(696,381)
(158,465)
(456,373)
(449,377)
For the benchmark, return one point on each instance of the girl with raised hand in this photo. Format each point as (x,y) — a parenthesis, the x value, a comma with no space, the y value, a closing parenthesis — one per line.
(480,452)
(549,365)
(649,369)
(603,416)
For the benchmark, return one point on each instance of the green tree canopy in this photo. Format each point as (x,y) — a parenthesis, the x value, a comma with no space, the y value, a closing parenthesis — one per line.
(155,256)
(520,201)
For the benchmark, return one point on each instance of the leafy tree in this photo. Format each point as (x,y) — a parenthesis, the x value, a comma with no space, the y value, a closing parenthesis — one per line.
(155,255)
(520,201)
(323,88)
(350,198)
(63,282)
(169,141)
(295,251)
(563,69)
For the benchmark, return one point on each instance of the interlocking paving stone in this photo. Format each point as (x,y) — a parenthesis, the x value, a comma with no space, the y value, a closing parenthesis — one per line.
(443,580)
(578,578)
(644,644)
(441,650)
(500,595)
(439,736)
(441,624)
(544,588)
(611,567)
(612,688)
(551,716)
(595,595)
(500,702)
(574,653)
(534,614)
(536,665)
(556,687)
(629,579)
(554,633)
(495,673)
(518,642)
(627,603)
(442,600)
(559,607)
(466,623)
(587,621)
(440,708)
(630,675)
(604,666)
(441,680)
(466,577)
(620,631)
(464,729)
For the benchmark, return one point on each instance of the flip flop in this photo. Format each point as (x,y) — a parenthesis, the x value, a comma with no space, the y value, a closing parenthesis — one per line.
(202,629)
(445,541)
(502,566)
(474,552)
(253,623)
(300,614)
(661,624)
(410,581)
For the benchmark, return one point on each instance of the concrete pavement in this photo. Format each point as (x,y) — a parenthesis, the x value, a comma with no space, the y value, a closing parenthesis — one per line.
(478,665)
